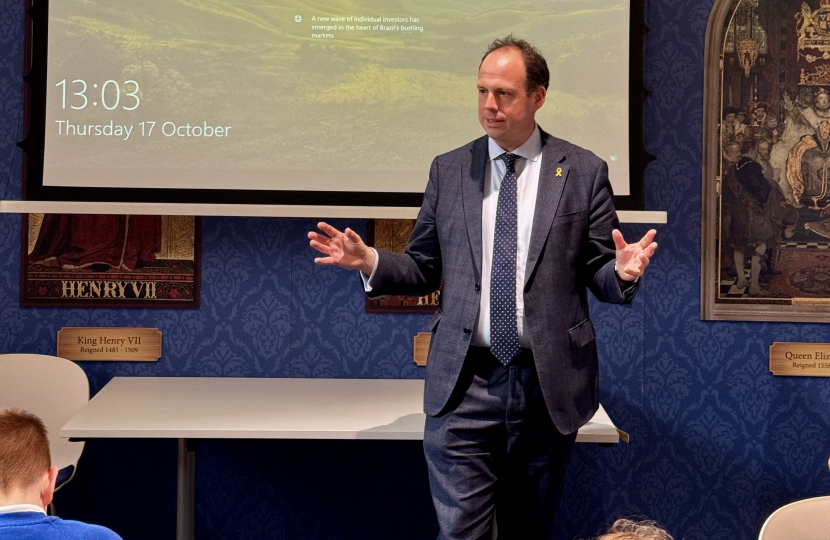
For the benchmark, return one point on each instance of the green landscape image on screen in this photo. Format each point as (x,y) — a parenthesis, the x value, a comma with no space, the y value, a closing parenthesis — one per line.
(144,93)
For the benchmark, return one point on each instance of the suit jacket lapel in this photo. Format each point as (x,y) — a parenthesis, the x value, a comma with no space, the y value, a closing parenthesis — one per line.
(472,176)
(552,179)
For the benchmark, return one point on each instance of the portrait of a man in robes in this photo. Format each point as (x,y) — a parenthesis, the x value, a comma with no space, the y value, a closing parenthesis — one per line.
(126,260)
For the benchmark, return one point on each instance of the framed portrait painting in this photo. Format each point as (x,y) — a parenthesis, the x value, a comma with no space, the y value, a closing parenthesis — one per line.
(393,235)
(84,260)
(766,159)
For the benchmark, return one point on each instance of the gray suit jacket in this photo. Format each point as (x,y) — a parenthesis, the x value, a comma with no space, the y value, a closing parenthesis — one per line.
(571,250)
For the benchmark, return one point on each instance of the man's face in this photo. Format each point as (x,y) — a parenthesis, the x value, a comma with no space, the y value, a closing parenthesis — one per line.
(732,152)
(822,100)
(760,112)
(729,119)
(763,150)
(505,110)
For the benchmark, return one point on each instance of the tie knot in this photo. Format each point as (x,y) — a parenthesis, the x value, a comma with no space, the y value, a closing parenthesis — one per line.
(510,161)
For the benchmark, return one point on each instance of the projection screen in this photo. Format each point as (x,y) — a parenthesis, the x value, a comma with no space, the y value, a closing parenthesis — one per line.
(345,96)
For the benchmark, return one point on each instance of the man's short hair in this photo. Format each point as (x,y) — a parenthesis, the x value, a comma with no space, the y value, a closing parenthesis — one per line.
(626,529)
(748,146)
(536,68)
(732,145)
(24,449)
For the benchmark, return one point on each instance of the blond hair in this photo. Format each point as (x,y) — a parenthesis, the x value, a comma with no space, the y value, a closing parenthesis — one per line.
(24,449)
(626,529)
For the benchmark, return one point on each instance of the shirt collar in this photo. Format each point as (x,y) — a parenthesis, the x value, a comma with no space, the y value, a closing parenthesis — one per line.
(530,150)
(21,508)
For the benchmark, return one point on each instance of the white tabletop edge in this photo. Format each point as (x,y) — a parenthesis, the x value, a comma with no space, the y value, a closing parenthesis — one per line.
(405,422)
(207,434)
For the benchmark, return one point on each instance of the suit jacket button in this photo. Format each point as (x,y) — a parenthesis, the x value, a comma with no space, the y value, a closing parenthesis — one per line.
(468,331)
(478,287)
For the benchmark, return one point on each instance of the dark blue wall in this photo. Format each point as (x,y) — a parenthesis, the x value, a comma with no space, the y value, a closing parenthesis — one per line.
(717,442)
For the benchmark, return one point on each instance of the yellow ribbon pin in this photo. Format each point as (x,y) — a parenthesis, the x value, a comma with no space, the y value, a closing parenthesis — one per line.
(558,172)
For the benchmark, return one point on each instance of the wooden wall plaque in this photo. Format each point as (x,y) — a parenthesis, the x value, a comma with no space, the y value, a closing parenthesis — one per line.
(109,344)
(800,359)
(420,347)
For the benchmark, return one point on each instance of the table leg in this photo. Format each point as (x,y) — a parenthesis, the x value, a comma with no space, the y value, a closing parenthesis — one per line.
(186,490)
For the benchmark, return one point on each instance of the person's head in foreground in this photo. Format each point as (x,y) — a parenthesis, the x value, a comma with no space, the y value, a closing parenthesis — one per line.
(626,529)
(26,472)
(27,482)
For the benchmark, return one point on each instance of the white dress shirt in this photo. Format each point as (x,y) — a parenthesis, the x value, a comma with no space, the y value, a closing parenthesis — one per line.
(527,171)
(20,508)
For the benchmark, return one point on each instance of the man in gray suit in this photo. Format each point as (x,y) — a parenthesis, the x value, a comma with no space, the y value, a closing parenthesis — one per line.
(514,227)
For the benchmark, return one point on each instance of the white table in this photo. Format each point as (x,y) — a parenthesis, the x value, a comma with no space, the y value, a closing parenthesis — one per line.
(190,408)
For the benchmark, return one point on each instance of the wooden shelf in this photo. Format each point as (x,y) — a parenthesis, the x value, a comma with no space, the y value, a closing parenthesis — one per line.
(252,210)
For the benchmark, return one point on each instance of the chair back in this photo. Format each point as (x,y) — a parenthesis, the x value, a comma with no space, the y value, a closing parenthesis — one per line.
(808,519)
(54,389)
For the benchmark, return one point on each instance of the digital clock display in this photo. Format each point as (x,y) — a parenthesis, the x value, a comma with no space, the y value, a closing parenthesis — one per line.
(109,95)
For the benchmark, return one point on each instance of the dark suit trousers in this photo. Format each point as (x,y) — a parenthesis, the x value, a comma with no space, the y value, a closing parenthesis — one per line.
(495,451)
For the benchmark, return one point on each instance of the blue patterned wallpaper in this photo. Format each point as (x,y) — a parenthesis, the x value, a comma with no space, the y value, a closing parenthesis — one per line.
(717,442)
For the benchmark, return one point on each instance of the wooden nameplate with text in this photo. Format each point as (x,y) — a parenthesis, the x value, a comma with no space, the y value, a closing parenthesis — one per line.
(800,359)
(110,344)
(420,347)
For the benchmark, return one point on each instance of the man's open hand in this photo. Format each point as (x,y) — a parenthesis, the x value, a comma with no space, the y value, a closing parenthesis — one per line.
(344,249)
(632,259)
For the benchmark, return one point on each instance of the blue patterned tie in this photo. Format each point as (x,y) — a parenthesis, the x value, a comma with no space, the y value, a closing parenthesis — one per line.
(504,334)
